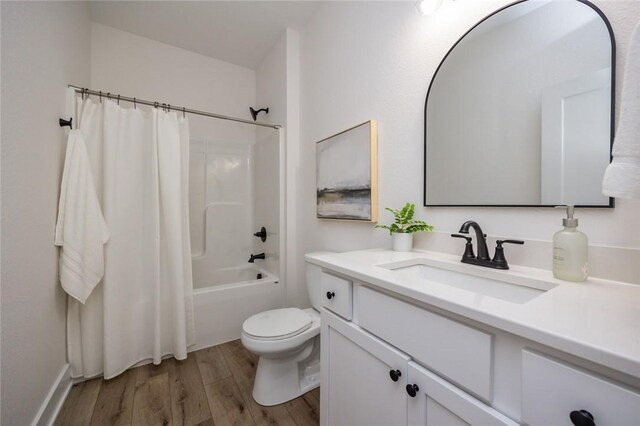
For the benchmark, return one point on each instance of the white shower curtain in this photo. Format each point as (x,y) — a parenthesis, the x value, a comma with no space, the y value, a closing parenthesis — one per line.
(143,308)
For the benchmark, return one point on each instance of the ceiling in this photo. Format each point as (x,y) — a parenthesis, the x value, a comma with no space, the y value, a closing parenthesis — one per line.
(239,32)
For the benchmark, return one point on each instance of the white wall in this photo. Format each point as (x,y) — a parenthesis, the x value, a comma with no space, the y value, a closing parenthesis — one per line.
(136,66)
(271,90)
(45,46)
(278,87)
(363,60)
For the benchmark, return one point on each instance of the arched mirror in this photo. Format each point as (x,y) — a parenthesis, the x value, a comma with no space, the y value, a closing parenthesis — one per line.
(520,111)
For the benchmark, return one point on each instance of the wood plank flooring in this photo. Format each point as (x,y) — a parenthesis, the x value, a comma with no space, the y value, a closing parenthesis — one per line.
(211,387)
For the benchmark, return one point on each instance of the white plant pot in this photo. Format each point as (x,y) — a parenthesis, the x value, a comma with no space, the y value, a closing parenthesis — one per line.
(402,242)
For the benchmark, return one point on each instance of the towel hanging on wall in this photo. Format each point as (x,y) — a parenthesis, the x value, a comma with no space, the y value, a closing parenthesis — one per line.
(81,229)
(622,177)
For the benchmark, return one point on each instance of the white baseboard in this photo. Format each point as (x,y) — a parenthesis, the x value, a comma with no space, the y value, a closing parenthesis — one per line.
(55,398)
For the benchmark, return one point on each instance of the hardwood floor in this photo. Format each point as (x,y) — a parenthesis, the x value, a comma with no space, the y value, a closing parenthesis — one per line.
(211,387)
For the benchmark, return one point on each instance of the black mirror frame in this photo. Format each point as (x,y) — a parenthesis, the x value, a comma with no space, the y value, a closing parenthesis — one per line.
(613,102)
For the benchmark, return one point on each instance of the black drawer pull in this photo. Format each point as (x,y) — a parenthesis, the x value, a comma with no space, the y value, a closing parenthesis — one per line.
(395,375)
(582,418)
(330,295)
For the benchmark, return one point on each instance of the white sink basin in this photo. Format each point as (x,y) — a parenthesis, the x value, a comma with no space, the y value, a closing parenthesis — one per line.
(416,270)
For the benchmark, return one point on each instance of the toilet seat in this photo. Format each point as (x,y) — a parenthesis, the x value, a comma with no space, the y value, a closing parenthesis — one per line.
(277,324)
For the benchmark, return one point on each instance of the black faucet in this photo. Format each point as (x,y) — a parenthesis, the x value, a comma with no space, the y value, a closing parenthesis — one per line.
(483,252)
(498,261)
(256,256)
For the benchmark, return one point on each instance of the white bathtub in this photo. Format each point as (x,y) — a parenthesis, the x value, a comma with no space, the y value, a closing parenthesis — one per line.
(227,298)
(240,275)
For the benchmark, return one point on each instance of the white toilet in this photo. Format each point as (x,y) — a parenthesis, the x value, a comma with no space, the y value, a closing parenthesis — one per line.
(288,343)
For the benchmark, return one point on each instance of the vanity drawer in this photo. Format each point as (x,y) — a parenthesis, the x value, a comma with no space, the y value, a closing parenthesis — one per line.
(458,352)
(552,389)
(336,294)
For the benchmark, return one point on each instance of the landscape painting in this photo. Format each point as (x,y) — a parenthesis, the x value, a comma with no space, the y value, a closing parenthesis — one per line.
(346,174)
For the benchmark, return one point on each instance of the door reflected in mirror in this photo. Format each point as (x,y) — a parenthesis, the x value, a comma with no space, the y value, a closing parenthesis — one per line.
(520,111)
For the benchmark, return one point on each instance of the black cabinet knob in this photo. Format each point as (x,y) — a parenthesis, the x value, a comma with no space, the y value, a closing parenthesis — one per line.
(330,295)
(582,418)
(395,375)
(412,390)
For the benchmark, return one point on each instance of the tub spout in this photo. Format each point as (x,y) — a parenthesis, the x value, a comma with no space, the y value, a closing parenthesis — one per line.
(256,256)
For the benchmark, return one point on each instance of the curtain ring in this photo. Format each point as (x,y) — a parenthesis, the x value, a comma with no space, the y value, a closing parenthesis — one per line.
(82,93)
(184,112)
(101,96)
(109,95)
(155,104)
(118,99)
(168,108)
(135,106)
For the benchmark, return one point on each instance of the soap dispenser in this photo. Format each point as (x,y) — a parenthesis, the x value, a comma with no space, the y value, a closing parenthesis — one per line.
(570,251)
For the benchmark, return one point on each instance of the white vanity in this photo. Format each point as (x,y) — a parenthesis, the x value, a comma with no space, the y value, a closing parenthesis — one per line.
(419,338)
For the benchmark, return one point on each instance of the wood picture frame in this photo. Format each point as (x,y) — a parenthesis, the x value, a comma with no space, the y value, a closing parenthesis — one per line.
(347,174)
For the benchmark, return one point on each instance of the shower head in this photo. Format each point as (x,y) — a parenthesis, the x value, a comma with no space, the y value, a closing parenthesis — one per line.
(254,113)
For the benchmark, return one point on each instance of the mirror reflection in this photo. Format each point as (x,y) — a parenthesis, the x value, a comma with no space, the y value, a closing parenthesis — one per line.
(520,111)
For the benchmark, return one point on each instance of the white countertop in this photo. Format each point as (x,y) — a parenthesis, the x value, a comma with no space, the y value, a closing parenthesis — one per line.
(597,320)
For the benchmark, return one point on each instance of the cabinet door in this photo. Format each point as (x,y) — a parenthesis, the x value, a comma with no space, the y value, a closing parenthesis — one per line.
(434,401)
(363,379)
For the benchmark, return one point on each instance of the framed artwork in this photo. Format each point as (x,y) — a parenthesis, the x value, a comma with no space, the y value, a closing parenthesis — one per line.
(347,174)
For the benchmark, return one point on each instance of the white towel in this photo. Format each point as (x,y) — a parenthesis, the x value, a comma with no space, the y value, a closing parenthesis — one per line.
(622,178)
(81,229)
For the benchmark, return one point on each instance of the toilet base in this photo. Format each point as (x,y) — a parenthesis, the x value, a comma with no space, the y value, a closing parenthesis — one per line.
(279,380)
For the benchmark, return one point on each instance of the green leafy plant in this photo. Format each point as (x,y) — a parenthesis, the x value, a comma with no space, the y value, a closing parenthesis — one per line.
(404,223)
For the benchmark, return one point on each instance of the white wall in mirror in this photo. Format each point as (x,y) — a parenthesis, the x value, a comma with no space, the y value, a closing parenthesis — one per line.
(574,151)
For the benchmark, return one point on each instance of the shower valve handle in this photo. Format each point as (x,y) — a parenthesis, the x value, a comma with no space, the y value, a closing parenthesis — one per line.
(262,234)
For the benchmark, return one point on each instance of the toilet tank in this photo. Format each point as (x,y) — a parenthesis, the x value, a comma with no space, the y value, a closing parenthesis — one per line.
(313,273)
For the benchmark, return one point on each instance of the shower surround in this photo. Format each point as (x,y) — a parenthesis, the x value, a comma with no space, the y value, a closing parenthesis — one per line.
(228,181)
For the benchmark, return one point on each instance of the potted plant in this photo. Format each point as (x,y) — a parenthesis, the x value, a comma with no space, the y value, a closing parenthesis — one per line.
(402,229)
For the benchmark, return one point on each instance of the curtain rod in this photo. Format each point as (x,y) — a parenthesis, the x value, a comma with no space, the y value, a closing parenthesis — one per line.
(169,107)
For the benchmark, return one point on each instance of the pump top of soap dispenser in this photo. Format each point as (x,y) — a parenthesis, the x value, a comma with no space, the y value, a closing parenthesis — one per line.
(569,221)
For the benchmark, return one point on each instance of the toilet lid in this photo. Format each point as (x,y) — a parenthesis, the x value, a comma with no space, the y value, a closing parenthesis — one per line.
(277,323)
